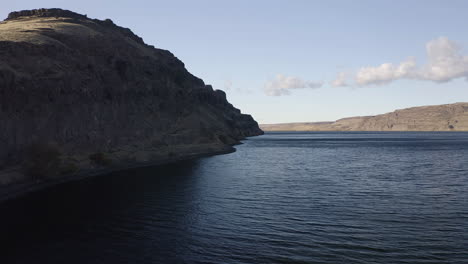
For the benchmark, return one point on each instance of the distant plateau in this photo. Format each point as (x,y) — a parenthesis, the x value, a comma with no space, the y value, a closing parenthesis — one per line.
(448,117)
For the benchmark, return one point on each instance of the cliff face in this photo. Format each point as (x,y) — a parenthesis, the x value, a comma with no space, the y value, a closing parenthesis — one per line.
(88,86)
(450,117)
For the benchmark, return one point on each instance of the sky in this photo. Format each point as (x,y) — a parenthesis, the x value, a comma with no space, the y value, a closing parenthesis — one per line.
(303,61)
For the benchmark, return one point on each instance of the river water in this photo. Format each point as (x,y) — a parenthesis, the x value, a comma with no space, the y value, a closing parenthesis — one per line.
(281,198)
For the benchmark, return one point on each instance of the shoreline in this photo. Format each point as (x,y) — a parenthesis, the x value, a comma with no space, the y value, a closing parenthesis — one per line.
(14,191)
(373,131)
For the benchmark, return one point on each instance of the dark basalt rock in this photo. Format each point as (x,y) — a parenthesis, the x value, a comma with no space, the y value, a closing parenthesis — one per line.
(45,12)
(90,86)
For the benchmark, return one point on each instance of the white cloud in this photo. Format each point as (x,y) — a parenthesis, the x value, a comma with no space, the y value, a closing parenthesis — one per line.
(229,88)
(227,85)
(340,81)
(281,85)
(385,73)
(444,63)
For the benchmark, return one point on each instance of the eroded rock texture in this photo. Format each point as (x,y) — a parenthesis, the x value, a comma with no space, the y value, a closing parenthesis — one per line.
(90,86)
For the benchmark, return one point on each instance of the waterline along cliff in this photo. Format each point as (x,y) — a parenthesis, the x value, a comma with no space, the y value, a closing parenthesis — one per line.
(78,94)
(448,117)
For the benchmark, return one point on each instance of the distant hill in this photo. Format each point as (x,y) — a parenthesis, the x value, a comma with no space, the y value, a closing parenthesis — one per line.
(448,117)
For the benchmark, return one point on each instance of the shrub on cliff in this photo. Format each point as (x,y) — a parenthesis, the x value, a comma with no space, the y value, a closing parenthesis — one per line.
(100,159)
(69,168)
(42,160)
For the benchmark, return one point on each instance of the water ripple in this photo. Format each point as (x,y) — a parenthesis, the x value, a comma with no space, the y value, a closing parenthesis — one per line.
(281,198)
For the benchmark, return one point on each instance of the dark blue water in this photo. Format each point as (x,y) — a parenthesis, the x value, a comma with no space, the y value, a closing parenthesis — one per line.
(281,198)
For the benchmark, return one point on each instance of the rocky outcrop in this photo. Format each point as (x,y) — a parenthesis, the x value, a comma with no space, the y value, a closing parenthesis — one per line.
(87,86)
(449,117)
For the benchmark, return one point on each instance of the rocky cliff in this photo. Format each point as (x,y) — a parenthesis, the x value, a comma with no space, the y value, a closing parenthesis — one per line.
(449,117)
(89,93)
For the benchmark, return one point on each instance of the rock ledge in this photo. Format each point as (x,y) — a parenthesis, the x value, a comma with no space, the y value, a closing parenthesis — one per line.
(82,94)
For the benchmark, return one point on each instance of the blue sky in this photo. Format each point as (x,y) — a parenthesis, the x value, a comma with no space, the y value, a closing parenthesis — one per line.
(277,60)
